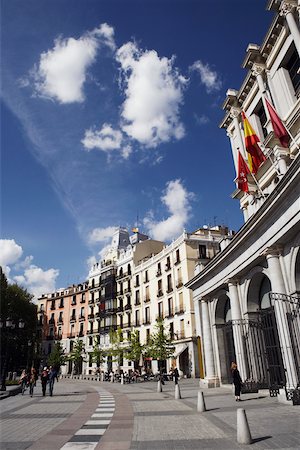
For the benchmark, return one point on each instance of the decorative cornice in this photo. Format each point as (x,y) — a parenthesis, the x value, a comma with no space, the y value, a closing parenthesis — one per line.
(287,7)
(258,69)
(235,112)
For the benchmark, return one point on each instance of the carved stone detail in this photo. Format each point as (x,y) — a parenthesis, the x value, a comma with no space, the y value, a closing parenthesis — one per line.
(234,112)
(286,7)
(257,69)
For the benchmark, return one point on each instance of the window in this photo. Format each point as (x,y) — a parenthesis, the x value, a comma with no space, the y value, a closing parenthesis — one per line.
(291,64)
(137,297)
(171,330)
(170,306)
(160,310)
(60,318)
(159,288)
(158,273)
(137,281)
(90,340)
(147,335)
(261,114)
(83,297)
(168,263)
(93,283)
(137,317)
(147,294)
(202,251)
(129,269)
(74,300)
(177,257)
(61,304)
(169,283)
(147,314)
(146,276)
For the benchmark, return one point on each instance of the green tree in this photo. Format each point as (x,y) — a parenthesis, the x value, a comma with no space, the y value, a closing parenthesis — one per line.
(97,355)
(135,349)
(17,345)
(76,356)
(117,347)
(160,345)
(57,357)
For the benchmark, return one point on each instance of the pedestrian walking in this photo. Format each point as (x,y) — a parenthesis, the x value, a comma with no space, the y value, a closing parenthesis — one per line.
(44,380)
(32,380)
(52,377)
(175,375)
(237,381)
(23,381)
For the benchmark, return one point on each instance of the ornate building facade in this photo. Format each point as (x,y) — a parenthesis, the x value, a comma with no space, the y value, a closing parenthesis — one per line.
(247,298)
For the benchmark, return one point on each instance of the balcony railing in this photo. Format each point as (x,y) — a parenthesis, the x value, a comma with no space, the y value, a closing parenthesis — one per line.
(127,307)
(137,302)
(72,318)
(146,299)
(91,331)
(81,318)
(160,293)
(71,335)
(147,322)
(91,316)
(158,273)
(179,283)
(179,310)
(120,309)
(178,336)
(167,267)
(52,321)
(170,314)
(170,289)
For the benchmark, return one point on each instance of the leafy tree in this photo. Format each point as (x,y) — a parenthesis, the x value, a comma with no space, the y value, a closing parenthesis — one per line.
(160,345)
(17,345)
(76,356)
(135,349)
(57,357)
(98,355)
(117,347)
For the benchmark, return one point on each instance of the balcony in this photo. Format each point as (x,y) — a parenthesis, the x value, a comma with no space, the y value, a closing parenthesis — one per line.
(127,307)
(60,322)
(72,318)
(160,316)
(52,321)
(147,299)
(71,335)
(137,302)
(127,290)
(179,283)
(91,316)
(82,300)
(179,336)
(146,322)
(158,273)
(170,314)
(80,334)
(160,293)
(137,323)
(120,309)
(81,318)
(167,267)
(169,289)
(126,325)
(91,331)
(178,261)
(52,307)
(61,305)
(179,310)
(91,301)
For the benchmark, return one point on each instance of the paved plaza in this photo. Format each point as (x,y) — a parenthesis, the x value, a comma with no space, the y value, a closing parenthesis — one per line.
(87,415)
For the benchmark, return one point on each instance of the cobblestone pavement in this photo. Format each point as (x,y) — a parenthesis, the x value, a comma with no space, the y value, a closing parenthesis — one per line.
(137,417)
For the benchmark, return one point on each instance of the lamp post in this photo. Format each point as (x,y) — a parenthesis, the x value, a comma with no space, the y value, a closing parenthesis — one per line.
(8,325)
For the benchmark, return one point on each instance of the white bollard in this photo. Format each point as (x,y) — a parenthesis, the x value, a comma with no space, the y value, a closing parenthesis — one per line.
(177,392)
(159,386)
(122,378)
(102,376)
(201,402)
(243,430)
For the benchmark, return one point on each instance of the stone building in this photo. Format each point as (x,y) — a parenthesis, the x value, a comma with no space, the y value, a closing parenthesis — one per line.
(247,298)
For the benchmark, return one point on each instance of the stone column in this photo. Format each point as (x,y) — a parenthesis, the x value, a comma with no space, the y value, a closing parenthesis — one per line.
(210,380)
(287,9)
(277,283)
(237,326)
(281,154)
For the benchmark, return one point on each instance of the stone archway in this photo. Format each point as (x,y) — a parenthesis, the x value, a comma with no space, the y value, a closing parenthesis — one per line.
(262,339)
(224,337)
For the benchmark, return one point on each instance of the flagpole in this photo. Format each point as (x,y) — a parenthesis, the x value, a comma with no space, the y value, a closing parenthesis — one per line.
(266,153)
(259,188)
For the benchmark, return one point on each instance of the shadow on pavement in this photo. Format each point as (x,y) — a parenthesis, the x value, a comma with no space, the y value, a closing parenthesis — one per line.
(263,438)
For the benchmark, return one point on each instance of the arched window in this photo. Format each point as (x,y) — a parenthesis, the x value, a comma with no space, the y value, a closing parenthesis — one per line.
(227,311)
(264,299)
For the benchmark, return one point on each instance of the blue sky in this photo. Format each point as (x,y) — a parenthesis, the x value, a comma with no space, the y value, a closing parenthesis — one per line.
(110,110)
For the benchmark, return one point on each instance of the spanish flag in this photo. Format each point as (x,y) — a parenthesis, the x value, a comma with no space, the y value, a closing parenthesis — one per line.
(255,155)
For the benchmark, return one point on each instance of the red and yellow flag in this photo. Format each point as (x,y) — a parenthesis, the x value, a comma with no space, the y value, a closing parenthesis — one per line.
(255,155)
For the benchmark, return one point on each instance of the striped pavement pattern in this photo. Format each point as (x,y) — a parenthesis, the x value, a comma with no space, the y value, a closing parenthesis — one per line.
(88,436)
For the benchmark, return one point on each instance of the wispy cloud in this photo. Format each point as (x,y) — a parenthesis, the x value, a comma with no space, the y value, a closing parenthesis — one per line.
(202,119)
(177,200)
(208,77)
(153,89)
(61,71)
(101,234)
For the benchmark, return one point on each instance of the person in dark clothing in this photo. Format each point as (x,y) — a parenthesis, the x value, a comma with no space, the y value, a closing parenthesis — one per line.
(52,377)
(175,375)
(237,381)
(44,380)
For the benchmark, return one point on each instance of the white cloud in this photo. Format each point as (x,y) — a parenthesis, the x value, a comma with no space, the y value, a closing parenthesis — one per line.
(38,281)
(208,77)
(177,200)
(61,72)
(35,279)
(10,253)
(101,234)
(106,139)
(154,93)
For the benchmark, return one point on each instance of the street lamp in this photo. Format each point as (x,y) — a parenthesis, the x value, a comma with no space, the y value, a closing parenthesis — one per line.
(8,325)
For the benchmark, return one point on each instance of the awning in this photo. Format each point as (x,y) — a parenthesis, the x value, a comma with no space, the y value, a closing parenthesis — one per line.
(179,349)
